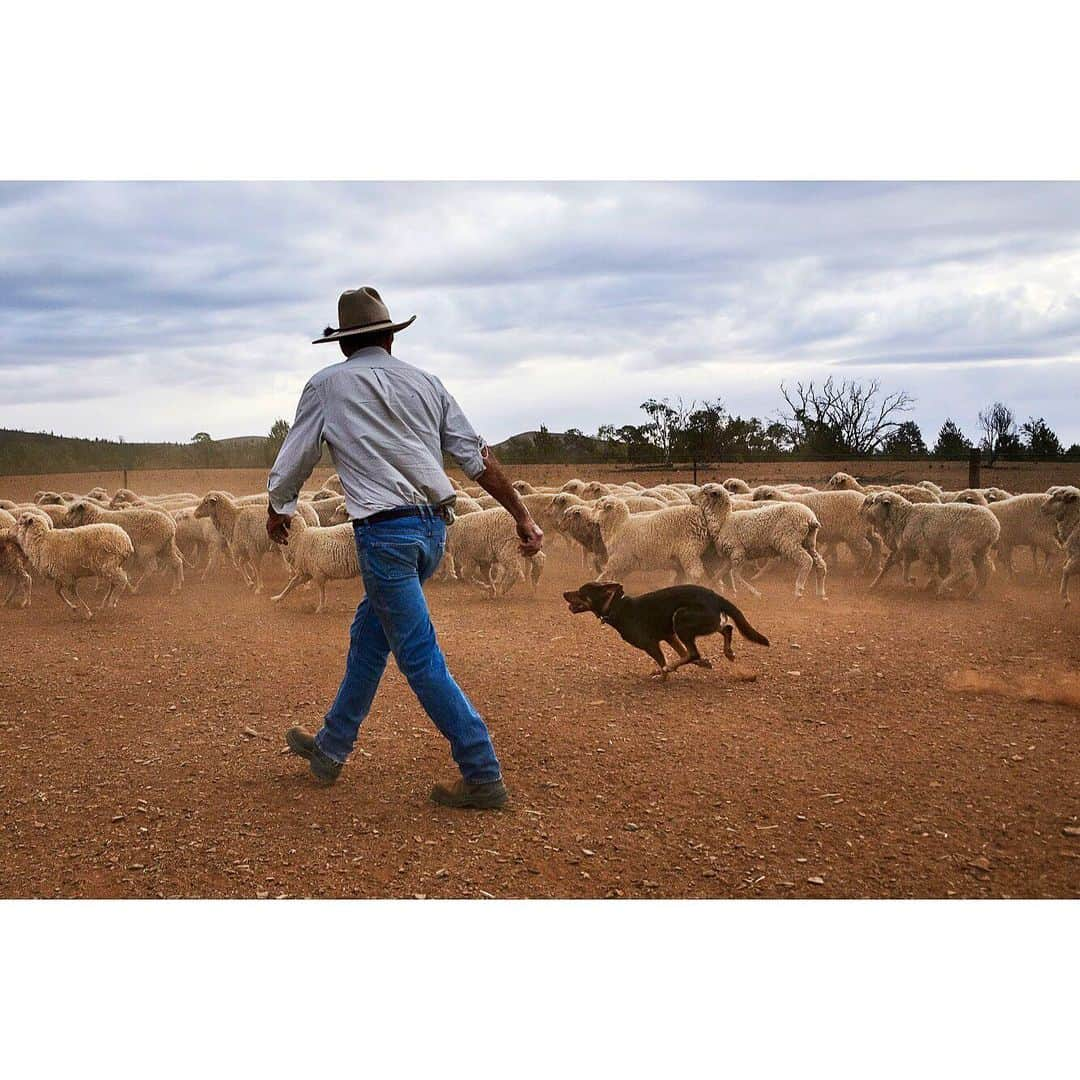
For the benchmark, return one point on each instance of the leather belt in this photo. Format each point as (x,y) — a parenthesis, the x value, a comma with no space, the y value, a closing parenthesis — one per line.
(397,512)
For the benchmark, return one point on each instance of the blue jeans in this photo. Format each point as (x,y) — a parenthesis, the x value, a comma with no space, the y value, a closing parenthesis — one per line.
(396,558)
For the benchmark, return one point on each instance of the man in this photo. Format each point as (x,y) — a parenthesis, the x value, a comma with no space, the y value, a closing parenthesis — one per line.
(387,425)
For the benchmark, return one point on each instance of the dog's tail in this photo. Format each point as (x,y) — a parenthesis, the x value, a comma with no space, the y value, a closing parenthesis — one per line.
(742,624)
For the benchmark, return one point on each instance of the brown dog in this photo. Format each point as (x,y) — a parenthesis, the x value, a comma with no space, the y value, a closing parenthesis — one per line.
(678,615)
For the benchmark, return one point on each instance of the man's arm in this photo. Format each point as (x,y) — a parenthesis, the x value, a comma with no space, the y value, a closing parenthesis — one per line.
(461,442)
(497,484)
(298,456)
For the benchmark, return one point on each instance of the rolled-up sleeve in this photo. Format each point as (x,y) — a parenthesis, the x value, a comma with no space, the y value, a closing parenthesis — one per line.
(459,440)
(299,453)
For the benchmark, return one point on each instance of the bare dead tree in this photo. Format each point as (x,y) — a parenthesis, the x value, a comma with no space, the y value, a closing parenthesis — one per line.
(998,425)
(846,417)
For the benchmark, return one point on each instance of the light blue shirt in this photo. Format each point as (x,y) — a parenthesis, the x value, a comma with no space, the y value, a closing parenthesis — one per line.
(387,425)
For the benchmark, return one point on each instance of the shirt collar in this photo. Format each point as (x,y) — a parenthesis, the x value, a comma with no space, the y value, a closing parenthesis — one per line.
(369,354)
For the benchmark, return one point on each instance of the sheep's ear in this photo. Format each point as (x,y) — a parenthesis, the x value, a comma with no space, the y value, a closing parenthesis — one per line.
(1071,496)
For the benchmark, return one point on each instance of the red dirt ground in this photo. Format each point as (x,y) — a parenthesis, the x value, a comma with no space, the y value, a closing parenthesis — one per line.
(141,754)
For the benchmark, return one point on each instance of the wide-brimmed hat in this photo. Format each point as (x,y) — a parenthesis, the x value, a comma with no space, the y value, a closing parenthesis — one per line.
(361,311)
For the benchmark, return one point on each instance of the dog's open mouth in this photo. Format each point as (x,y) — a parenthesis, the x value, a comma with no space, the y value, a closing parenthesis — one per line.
(576,602)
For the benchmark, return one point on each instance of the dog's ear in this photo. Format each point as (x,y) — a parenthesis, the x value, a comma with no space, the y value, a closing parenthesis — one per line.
(613,589)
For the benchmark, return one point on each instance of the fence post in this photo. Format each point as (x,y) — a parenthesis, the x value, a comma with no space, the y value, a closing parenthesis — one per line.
(695,473)
(974,467)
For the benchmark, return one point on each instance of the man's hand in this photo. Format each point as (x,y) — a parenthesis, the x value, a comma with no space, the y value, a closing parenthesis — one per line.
(531,536)
(277,526)
(495,482)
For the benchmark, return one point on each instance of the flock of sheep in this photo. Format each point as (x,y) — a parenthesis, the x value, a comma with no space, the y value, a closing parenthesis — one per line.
(710,533)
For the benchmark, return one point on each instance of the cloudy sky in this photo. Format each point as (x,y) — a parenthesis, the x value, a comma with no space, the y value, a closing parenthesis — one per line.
(156,310)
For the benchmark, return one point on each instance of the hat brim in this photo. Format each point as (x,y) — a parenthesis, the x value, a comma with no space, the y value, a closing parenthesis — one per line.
(374,328)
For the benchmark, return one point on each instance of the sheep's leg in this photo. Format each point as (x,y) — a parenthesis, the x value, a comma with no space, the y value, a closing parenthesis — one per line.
(1071,569)
(176,561)
(244,566)
(960,572)
(296,579)
(875,550)
(982,572)
(821,570)
(139,567)
(860,551)
(890,562)
(256,565)
(615,569)
(59,585)
(511,576)
(87,613)
(320,583)
(766,564)
(805,563)
(108,593)
(693,567)
(1009,565)
(735,574)
(212,553)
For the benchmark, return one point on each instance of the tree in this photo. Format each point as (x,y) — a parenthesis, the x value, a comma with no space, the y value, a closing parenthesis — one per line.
(998,424)
(841,418)
(1010,448)
(698,435)
(544,443)
(664,421)
(905,440)
(1039,440)
(202,438)
(638,442)
(278,430)
(608,443)
(951,441)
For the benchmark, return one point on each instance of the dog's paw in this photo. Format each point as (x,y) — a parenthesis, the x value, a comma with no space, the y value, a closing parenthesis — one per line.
(702,662)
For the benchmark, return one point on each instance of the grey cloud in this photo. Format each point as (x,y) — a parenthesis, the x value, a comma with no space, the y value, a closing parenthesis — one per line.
(125,292)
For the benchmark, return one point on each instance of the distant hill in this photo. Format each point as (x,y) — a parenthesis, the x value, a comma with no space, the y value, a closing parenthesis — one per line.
(569,447)
(24,452)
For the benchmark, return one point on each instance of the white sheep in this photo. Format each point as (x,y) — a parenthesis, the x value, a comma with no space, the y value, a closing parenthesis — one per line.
(152,532)
(781,530)
(953,540)
(319,554)
(1022,525)
(675,538)
(839,514)
(465,504)
(972,496)
(579,524)
(66,555)
(198,537)
(1063,504)
(843,481)
(482,548)
(244,530)
(13,565)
